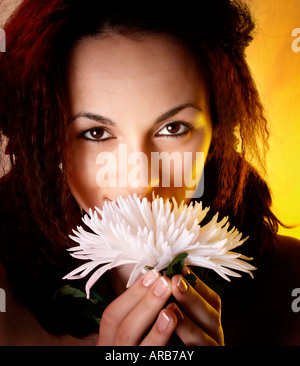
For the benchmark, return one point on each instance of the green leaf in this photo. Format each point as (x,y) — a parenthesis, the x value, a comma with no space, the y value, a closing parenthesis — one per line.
(176,266)
(68,290)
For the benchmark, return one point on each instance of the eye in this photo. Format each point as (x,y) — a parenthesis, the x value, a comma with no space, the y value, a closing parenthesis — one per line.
(175,129)
(96,134)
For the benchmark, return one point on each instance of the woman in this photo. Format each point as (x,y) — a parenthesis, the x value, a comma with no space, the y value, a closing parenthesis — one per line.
(81,78)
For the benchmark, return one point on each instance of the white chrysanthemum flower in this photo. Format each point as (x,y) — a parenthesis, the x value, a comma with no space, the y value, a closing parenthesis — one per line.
(150,235)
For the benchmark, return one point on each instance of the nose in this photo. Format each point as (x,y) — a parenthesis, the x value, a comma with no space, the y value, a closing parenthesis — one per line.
(139,181)
(134,171)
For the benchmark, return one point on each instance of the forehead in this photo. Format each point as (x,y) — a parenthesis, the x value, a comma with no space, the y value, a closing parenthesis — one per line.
(114,67)
(108,50)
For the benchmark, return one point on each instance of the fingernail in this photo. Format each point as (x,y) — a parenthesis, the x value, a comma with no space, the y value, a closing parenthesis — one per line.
(186,270)
(175,309)
(181,285)
(163,321)
(161,287)
(149,278)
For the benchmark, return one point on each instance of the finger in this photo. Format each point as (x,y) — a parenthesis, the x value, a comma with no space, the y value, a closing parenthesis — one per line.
(162,330)
(143,315)
(189,332)
(122,306)
(196,307)
(206,292)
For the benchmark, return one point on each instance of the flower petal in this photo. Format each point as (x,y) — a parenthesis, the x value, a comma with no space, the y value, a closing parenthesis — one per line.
(134,230)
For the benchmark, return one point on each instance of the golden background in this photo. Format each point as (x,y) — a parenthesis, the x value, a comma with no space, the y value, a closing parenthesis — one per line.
(276,69)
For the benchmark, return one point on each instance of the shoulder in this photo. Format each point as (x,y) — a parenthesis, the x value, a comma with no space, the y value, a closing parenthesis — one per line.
(281,272)
(268,307)
(288,243)
(286,258)
(18,327)
(279,279)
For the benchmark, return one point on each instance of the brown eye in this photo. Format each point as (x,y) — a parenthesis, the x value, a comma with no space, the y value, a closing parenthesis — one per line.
(175,129)
(96,134)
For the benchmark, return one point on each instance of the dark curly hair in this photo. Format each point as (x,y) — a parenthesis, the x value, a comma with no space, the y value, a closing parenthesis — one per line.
(37,208)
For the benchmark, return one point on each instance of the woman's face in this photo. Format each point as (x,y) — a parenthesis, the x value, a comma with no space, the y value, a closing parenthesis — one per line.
(140,114)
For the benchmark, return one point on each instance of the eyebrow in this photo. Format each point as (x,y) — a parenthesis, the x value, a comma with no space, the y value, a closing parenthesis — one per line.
(175,111)
(106,121)
(94,117)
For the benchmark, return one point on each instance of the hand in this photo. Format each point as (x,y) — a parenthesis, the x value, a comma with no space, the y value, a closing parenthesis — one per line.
(198,313)
(137,311)
(128,318)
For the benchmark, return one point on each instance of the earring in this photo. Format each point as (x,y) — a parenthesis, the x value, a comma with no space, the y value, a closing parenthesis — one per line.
(61,167)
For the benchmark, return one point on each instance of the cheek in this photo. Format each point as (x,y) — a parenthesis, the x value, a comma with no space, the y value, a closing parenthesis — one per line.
(193,163)
(81,169)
